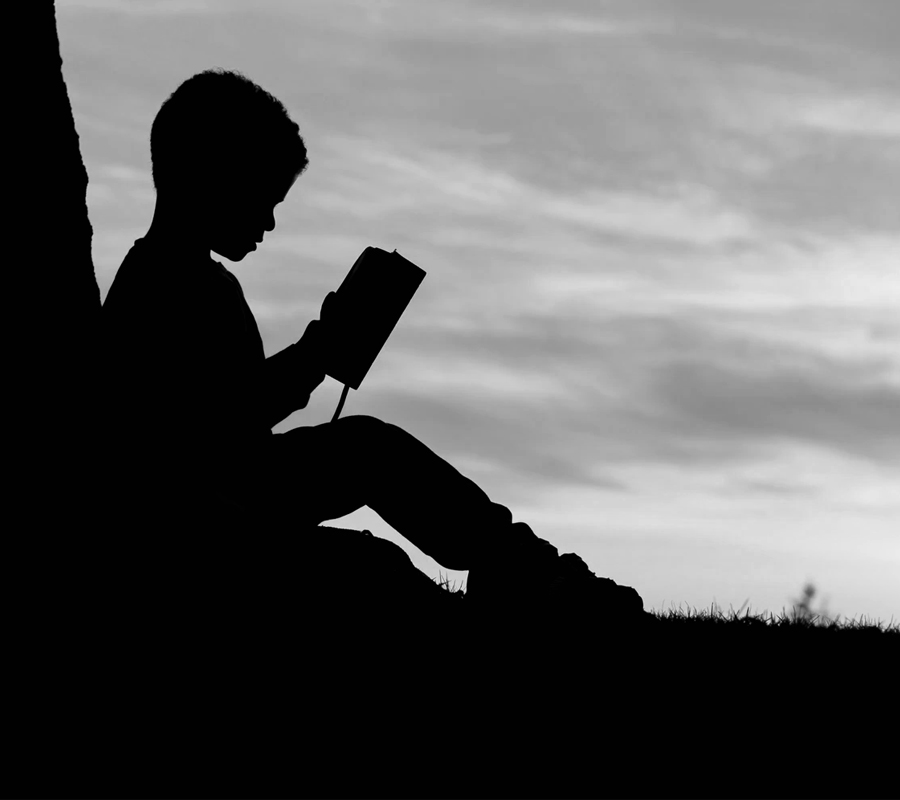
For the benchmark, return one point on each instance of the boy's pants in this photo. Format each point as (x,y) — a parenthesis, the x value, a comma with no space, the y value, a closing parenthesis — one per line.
(324,472)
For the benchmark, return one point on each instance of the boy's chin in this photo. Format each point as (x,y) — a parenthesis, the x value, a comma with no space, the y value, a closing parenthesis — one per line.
(233,252)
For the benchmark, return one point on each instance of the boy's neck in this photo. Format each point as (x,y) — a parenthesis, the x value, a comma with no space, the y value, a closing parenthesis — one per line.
(176,230)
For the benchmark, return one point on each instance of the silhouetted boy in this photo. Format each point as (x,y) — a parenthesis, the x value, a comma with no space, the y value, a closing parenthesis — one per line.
(192,397)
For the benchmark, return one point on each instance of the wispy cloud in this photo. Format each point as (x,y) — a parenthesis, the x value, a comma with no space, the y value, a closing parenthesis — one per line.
(877,117)
(371,181)
(718,403)
(140,7)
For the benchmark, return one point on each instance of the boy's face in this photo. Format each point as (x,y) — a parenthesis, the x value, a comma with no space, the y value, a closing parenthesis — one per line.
(241,212)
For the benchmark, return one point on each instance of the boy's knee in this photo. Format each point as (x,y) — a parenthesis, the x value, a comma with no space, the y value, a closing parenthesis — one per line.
(361,428)
(362,421)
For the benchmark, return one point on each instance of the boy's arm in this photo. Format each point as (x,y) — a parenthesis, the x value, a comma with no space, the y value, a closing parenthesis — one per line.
(291,376)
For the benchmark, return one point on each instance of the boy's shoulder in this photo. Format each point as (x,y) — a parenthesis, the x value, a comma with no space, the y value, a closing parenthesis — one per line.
(150,271)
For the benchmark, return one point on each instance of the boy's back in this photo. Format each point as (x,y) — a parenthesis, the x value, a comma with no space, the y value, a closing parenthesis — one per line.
(183,360)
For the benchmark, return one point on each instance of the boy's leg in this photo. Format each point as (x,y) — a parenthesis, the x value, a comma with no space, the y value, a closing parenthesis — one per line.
(330,470)
(326,471)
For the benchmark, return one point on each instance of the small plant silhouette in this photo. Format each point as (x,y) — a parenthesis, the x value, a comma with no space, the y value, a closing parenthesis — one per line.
(803,610)
(444,582)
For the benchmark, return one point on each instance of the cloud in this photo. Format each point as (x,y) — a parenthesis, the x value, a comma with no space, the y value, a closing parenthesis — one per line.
(877,117)
(526,451)
(126,173)
(99,194)
(459,19)
(691,215)
(519,23)
(371,180)
(716,403)
(655,389)
(120,184)
(139,7)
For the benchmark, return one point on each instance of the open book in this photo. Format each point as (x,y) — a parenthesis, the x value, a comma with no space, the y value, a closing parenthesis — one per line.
(369,303)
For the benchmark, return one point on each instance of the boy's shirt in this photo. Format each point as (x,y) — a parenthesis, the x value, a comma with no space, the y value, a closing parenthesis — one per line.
(190,394)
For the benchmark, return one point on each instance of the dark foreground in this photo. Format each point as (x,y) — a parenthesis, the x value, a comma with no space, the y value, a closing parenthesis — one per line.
(245,677)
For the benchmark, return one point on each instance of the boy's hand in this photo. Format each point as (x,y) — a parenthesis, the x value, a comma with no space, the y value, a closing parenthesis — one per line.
(314,344)
(328,312)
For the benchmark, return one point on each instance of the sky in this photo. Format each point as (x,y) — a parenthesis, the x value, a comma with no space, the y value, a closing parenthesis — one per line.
(661,316)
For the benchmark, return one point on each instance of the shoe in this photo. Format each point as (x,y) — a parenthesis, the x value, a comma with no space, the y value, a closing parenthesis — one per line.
(497,584)
(541,583)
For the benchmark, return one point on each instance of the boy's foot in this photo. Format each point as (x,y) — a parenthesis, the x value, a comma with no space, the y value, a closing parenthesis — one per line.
(536,580)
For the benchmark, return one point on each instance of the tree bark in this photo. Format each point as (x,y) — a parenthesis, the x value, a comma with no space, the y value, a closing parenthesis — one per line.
(55,301)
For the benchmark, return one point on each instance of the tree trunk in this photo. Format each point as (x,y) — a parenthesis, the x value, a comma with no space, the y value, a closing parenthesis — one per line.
(55,302)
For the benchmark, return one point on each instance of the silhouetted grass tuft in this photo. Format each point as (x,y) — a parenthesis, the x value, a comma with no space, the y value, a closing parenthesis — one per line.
(444,583)
(800,615)
(796,617)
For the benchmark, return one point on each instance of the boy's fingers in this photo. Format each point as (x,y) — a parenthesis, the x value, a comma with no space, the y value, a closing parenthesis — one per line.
(327,303)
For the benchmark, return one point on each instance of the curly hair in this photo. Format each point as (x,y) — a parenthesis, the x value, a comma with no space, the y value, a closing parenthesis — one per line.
(220,120)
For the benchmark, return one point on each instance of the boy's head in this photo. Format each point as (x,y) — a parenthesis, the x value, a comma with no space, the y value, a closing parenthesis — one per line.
(225,151)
